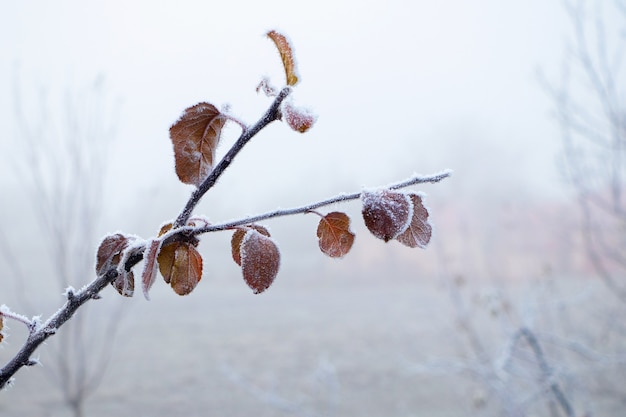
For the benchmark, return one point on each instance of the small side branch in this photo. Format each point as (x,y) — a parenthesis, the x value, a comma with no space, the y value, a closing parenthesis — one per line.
(416,179)
(6,312)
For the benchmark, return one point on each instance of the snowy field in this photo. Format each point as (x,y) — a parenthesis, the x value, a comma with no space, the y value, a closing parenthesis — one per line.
(332,348)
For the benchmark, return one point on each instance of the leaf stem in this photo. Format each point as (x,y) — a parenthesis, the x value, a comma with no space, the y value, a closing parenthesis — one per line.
(272,114)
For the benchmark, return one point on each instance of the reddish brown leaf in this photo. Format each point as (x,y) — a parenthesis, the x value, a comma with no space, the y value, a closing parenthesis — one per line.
(148,276)
(298,118)
(386,213)
(286,54)
(335,237)
(260,260)
(195,136)
(109,252)
(235,242)
(419,231)
(181,266)
(125,284)
(1,326)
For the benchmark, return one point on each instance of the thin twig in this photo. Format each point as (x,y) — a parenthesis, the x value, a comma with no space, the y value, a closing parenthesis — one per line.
(558,393)
(416,179)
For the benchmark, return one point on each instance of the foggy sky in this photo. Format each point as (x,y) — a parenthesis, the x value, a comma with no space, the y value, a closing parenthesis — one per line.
(399,87)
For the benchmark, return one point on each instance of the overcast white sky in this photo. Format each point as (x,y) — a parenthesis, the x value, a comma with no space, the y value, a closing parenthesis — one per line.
(399,87)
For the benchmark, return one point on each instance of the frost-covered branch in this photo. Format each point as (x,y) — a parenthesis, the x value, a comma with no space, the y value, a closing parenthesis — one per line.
(416,179)
(39,334)
(172,253)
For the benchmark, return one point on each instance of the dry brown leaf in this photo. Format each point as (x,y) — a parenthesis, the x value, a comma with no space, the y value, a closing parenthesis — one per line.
(260,260)
(386,213)
(181,266)
(125,283)
(235,242)
(195,137)
(419,231)
(165,228)
(286,55)
(335,237)
(109,252)
(299,119)
(148,276)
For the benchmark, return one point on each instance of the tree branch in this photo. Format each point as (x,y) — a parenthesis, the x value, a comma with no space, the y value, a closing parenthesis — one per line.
(416,179)
(179,232)
(39,335)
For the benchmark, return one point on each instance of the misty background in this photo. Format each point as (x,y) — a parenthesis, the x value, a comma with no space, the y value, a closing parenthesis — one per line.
(399,87)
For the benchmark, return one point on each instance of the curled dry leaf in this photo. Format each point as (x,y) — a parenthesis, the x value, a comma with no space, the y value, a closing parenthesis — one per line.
(109,252)
(287,56)
(386,213)
(260,260)
(165,228)
(195,137)
(235,242)
(419,231)
(108,256)
(299,119)
(1,326)
(148,276)
(335,237)
(125,284)
(181,266)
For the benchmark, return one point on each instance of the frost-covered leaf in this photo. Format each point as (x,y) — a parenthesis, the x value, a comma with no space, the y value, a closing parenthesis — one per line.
(235,242)
(125,283)
(195,137)
(386,213)
(287,56)
(419,231)
(299,119)
(165,228)
(148,276)
(267,88)
(181,266)
(260,260)
(335,237)
(109,252)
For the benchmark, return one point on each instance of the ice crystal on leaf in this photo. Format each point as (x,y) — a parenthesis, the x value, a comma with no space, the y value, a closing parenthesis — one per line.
(148,276)
(299,119)
(386,213)
(287,56)
(260,260)
(419,231)
(109,255)
(235,242)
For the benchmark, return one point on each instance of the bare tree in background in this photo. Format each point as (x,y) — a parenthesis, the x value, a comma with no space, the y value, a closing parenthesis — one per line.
(62,164)
(559,350)
(591,106)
